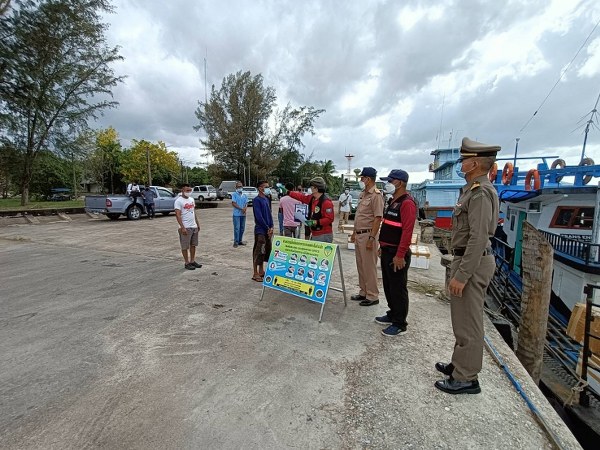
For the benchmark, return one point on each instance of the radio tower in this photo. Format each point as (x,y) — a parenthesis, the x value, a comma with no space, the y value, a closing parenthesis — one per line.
(349,158)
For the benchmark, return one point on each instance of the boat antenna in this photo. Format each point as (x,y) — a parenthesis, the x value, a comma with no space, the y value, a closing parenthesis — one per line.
(587,127)
(560,77)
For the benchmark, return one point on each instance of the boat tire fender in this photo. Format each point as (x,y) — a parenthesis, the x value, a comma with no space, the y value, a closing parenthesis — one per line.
(493,173)
(561,164)
(532,175)
(507,173)
(587,162)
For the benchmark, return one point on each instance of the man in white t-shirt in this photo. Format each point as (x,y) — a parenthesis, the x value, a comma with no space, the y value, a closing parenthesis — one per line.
(188,226)
(344,209)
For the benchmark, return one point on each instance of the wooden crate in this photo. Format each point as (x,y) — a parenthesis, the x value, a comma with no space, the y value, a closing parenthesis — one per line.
(576,326)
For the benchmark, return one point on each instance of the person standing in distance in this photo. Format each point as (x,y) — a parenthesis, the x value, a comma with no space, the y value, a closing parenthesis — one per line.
(291,228)
(394,247)
(239,201)
(345,201)
(320,210)
(149,196)
(263,230)
(474,222)
(367,220)
(188,227)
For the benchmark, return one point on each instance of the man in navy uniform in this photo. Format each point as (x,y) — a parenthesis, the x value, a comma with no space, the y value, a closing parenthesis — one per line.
(474,222)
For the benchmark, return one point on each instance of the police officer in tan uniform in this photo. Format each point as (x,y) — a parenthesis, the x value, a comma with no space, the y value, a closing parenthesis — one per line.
(474,222)
(367,220)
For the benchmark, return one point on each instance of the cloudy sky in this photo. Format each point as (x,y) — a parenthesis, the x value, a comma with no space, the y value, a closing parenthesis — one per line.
(397,79)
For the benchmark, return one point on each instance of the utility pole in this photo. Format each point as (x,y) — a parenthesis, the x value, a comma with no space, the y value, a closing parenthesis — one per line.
(148,161)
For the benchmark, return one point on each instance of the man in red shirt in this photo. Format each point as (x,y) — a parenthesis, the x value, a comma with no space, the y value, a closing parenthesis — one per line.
(394,241)
(320,210)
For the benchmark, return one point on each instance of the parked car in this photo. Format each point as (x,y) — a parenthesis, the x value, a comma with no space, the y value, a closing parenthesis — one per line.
(251,192)
(116,205)
(221,194)
(204,192)
(60,194)
(355,195)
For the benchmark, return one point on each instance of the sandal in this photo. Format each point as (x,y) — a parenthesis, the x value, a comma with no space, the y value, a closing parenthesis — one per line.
(258,279)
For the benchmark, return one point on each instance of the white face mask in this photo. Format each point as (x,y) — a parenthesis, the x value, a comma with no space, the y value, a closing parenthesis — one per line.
(346,192)
(185,194)
(239,190)
(361,184)
(389,188)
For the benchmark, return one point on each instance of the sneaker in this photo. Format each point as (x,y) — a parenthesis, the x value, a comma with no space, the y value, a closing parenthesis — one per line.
(393,330)
(195,264)
(384,320)
(190,266)
(235,245)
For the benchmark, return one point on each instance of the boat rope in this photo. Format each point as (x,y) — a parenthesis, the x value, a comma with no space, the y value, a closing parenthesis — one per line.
(560,77)
(536,412)
(575,391)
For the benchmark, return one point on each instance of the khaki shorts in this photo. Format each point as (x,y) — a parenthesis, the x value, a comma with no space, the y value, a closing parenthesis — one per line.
(261,250)
(190,239)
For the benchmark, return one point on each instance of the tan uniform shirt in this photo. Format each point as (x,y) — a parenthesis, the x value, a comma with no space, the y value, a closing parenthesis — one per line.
(474,222)
(370,205)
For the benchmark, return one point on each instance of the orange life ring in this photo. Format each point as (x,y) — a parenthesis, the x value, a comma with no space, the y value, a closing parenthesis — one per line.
(587,162)
(507,173)
(534,175)
(493,173)
(560,163)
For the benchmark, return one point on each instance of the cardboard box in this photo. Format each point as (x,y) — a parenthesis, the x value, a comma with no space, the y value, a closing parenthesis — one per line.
(350,244)
(348,228)
(576,326)
(420,256)
(414,239)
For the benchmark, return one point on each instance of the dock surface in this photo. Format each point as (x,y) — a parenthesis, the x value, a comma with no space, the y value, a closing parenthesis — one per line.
(107,342)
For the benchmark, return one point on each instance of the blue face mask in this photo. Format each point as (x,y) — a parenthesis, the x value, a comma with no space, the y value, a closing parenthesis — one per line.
(267,191)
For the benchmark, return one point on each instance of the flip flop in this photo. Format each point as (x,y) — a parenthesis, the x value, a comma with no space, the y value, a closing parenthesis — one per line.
(258,279)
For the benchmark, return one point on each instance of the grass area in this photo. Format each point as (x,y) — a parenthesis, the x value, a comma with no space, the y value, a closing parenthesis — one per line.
(14,204)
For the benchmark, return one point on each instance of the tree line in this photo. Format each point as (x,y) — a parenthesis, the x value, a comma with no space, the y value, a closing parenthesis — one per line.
(56,77)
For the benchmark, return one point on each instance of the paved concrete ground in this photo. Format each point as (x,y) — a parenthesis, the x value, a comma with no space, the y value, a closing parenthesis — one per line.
(105,341)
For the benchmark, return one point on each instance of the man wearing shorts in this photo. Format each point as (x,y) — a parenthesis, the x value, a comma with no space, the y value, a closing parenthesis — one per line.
(263,230)
(188,227)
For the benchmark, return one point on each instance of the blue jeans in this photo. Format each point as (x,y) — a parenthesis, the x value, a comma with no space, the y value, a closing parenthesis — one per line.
(280,220)
(239,225)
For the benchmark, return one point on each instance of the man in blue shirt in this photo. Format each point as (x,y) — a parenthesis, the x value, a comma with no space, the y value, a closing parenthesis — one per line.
(263,230)
(239,200)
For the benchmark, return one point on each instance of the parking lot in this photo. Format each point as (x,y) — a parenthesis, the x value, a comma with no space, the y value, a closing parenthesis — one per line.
(106,341)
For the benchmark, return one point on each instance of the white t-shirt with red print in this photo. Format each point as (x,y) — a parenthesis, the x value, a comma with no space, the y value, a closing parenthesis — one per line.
(186,206)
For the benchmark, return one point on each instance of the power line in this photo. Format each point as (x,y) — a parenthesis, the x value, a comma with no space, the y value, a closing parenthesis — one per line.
(560,77)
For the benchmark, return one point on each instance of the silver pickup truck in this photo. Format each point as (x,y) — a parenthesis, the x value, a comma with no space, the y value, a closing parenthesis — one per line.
(116,205)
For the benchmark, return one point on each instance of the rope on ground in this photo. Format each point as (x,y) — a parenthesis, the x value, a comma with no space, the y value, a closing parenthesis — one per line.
(498,358)
(575,391)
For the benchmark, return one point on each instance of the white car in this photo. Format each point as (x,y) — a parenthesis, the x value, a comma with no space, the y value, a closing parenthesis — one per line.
(251,192)
(204,192)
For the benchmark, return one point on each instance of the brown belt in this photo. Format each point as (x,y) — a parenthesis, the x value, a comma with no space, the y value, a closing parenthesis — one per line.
(363,231)
(461,251)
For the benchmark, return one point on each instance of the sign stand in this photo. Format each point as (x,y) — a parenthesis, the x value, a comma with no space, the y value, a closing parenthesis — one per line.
(278,264)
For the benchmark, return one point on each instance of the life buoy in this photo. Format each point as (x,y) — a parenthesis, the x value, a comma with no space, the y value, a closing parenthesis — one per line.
(587,162)
(493,173)
(507,173)
(561,164)
(532,175)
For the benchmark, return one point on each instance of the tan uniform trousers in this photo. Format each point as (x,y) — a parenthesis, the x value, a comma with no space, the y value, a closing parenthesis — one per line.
(467,320)
(343,220)
(366,263)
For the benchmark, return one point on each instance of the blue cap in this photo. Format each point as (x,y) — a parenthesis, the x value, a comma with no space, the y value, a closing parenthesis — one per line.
(396,174)
(368,172)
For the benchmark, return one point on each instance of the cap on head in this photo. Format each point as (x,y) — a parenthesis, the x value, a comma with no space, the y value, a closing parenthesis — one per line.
(397,174)
(470,148)
(319,183)
(368,172)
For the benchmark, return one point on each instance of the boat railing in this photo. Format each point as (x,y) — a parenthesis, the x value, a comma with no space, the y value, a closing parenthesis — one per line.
(582,251)
(586,364)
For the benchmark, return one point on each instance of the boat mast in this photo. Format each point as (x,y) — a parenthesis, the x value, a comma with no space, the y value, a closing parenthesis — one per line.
(516,149)
(587,127)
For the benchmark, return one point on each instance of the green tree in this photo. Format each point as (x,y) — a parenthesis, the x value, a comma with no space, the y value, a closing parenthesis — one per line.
(150,163)
(106,158)
(56,75)
(244,130)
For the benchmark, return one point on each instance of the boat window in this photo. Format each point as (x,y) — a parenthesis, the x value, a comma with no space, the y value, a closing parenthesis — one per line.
(573,217)
(512,222)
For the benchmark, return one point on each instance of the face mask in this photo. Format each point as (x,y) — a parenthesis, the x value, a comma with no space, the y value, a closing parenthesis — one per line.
(185,194)
(267,191)
(462,173)
(361,184)
(389,188)
(239,190)
(346,192)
